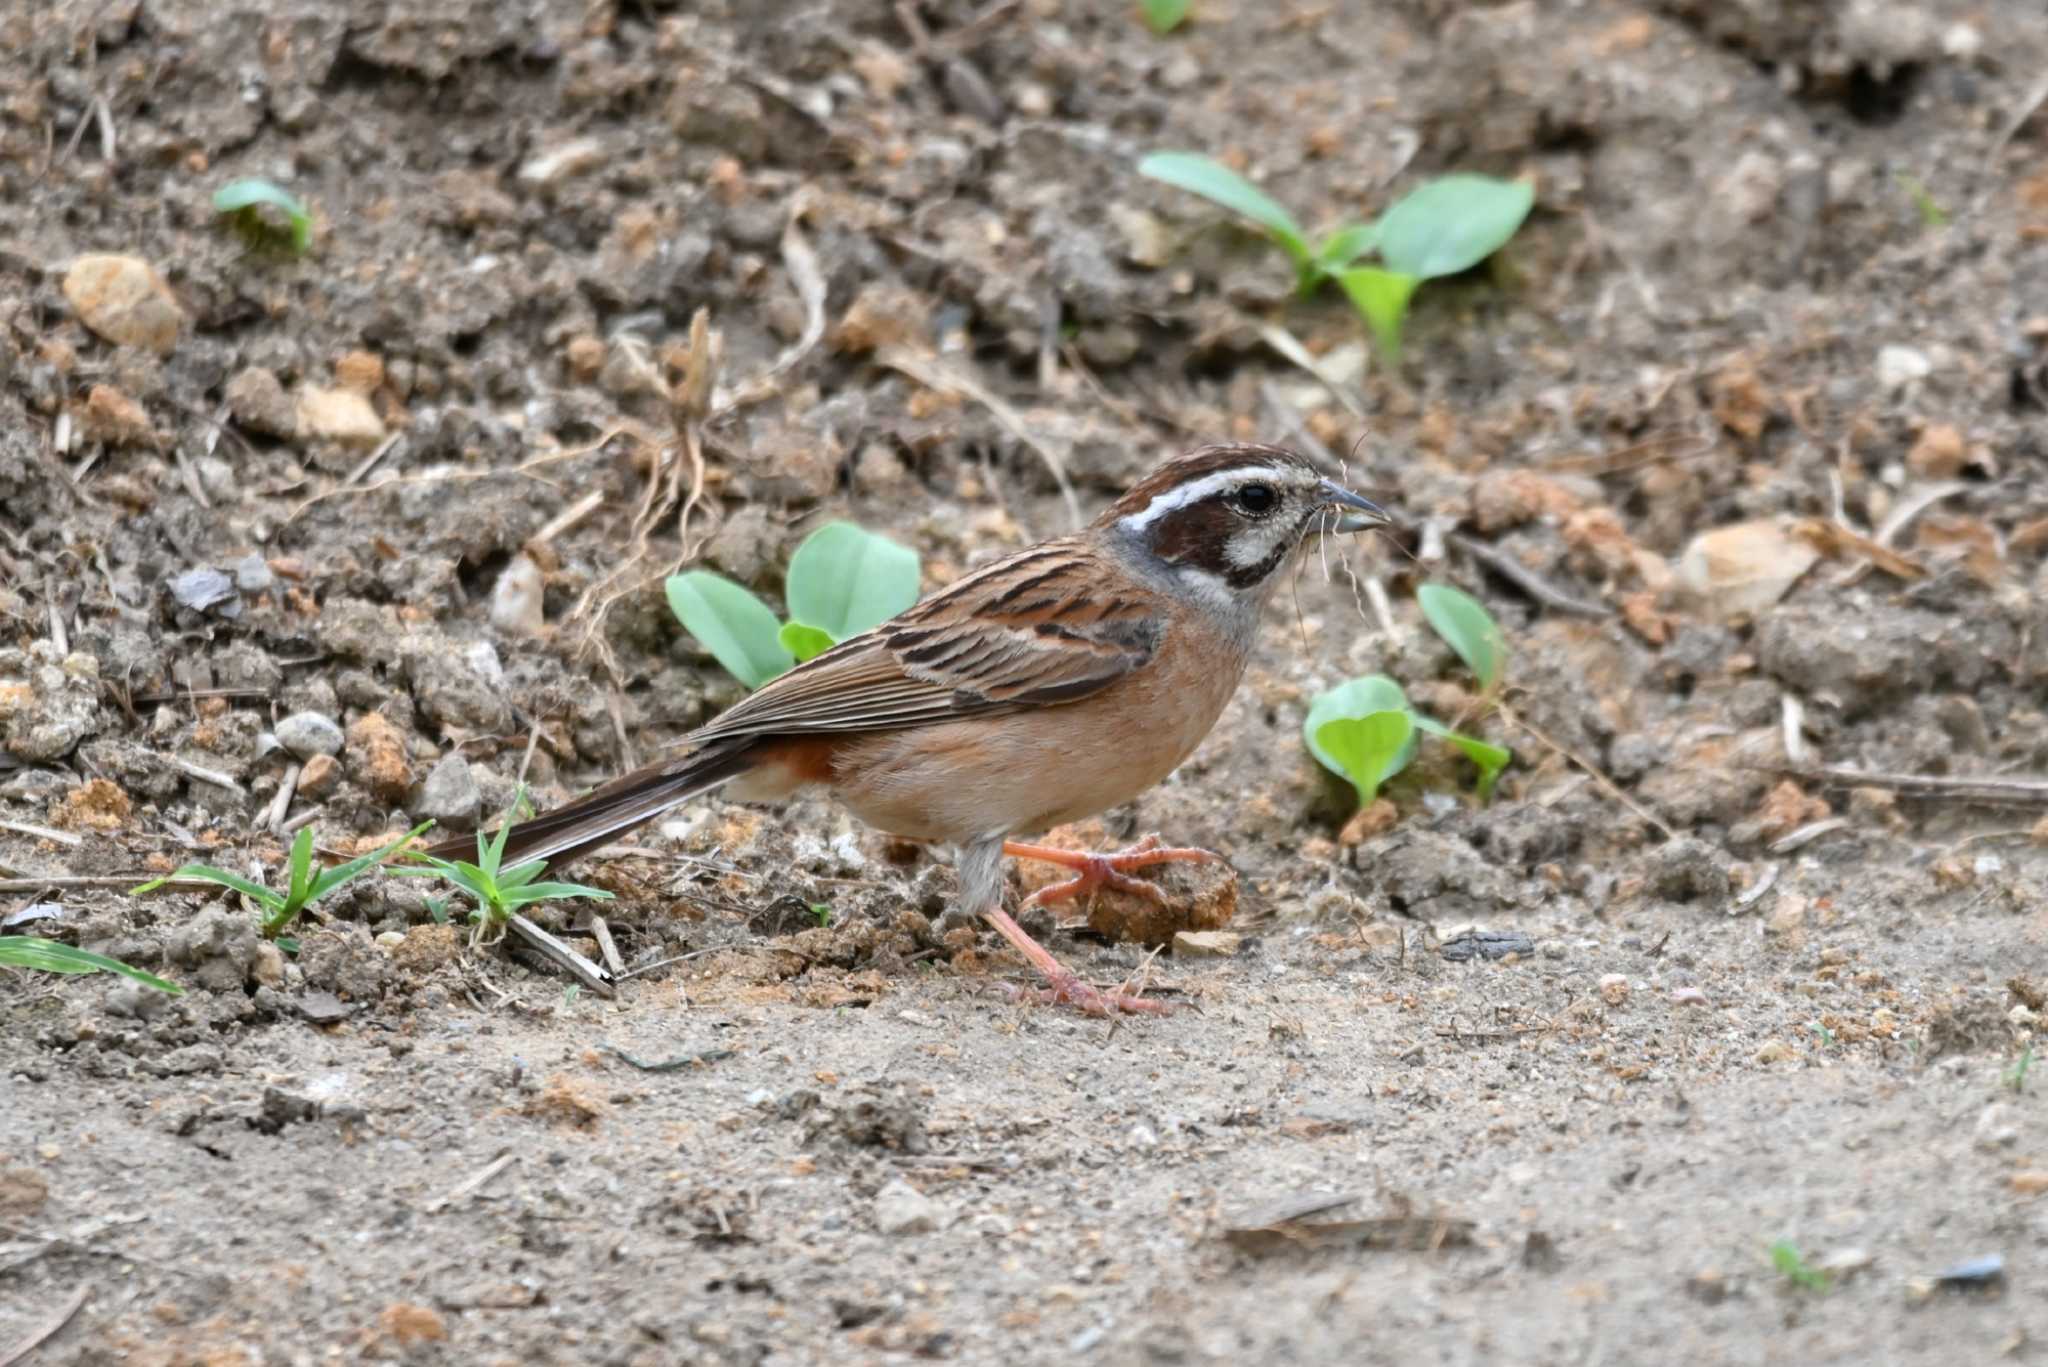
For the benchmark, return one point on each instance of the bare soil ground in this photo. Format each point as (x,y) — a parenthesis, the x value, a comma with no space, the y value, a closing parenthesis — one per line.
(1788,274)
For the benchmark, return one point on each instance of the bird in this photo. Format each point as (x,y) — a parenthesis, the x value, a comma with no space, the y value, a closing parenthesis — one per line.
(1058,682)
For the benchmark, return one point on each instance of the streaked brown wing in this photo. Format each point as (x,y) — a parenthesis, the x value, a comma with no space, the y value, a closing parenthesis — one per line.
(1044,626)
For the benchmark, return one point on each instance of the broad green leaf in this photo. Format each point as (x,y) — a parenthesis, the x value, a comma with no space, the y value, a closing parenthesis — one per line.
(735,626)
(1381,298)
(1164,16)
(245,197)
(845,579)
(1490,758)
(263,896)
(1468,628)
(806,643)
(1346,245)
(1370,749)
(1354,698)
(29,951)
(330,879)
(1452,224)
(1217,183)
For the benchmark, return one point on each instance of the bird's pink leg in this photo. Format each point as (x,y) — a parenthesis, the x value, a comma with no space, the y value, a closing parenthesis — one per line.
(1062,985)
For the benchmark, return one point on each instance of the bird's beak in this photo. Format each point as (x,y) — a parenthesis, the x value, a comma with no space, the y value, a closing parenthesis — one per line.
(1360,514)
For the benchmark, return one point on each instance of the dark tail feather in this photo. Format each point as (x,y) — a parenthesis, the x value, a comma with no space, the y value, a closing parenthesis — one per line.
(604,814)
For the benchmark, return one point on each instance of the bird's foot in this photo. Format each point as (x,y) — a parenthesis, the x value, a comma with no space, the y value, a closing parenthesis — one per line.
(1094,871)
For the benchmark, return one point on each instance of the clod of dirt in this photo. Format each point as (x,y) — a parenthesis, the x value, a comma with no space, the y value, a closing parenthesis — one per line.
(426,949)
(1487,944)
(572,1102)
(256,399)
(218,947)
(1436,877)
(22,1191)
(1864,659)
(1198,896)
(376,757)
(110,416)
(873,1118)
(124,300)
(1971,1025)
(1687,869)
(465,691)
(345,961)
(517,599)
(48,702)
(95,805)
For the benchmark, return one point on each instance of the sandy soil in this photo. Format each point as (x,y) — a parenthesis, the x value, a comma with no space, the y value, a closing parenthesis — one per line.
(1577,1059)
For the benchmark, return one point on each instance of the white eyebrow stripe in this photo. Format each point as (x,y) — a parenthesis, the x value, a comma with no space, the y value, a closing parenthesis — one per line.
(1188,493)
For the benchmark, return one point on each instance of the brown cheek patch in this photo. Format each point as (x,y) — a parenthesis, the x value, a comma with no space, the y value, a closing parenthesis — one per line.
(1196,535)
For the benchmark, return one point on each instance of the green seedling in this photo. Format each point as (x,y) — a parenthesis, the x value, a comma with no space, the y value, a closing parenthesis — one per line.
(822,913)
(2015,1076)
(496,890)
(1446,226)
(48,956)
(1364,730)
(842,581)
(250,205)
(1793,1267)
(303,886)
(1932,215)
(1163,16)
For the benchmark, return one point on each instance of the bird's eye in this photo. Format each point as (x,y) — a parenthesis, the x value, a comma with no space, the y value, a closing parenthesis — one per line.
(1256,499)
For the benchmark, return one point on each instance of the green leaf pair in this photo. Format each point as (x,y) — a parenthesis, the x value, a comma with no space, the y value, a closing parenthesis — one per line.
(244,202)
(1163,16)
(1364,730)
(842,581)
(29,951)
(498,891)
(1447,226)
(303,886)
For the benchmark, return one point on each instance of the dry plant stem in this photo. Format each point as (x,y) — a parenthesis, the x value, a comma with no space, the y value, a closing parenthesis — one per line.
(1604,783)
(578,967)
(932,375)
(525,469)
(19,1350)
(61,882)
(1290,347)
(471,1184)
(280,805)
(1524,578)
(2018,792)
(55,837)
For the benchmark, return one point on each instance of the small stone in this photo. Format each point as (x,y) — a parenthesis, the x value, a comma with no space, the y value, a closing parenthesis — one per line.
(1743,569)
(902,1209)
(1206,944)
(1147,241)
(360,371)
(339,415)
(516,599)
(563,161)
(2030,1182)
(124,300)
(1614,988)
(318,777)
(585,357)
(253,575)
(450,795)
(1996,1128)
(1774,1051)
(256,399)
(883,315)
(1707,1286)
(306,734)
(112,418)
(1899,366)
(1844,1263)
(267,968)
(1940,453)
(1788,915)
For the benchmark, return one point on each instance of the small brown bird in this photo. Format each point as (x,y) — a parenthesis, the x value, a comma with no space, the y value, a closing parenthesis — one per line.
(1048,687)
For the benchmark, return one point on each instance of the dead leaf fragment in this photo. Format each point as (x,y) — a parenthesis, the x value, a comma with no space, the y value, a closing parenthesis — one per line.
(1940,453)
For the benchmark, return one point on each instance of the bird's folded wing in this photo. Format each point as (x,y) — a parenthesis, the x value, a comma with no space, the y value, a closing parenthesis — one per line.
(1044,626)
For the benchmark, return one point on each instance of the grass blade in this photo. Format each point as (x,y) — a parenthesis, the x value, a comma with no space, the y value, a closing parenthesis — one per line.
(541,892)
(49,956)
(256,892)
(333,878)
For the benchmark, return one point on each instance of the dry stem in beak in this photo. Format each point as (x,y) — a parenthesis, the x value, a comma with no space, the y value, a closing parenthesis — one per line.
(1362,515)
